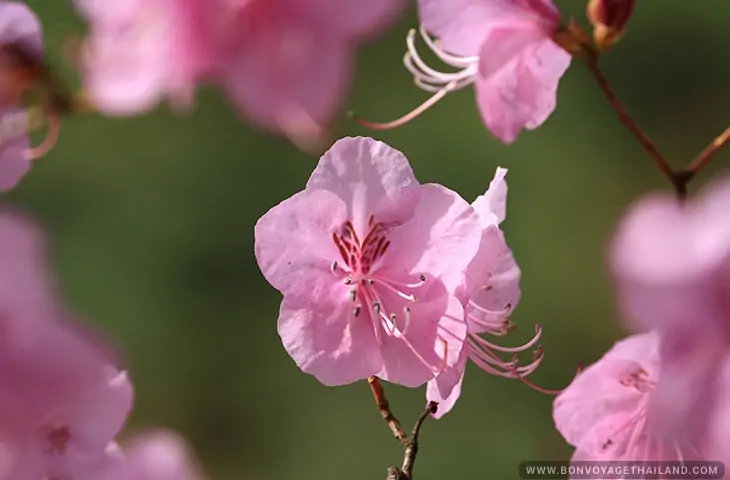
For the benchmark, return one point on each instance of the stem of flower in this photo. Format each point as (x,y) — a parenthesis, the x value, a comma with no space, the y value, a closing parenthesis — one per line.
(709,152)
(591,61)
(409,457)
(384,408)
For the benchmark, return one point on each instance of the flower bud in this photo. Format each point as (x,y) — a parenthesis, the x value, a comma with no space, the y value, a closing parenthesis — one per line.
(609,19)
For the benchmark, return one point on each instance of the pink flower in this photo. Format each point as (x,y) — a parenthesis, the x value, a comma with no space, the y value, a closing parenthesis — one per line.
(490,292)
(503,47)
(291,62)
(21,35)
(62,404)
(158,455)
(606,412)
(287,64)
(368,261)
(672,266)
(140,52)
(27,300)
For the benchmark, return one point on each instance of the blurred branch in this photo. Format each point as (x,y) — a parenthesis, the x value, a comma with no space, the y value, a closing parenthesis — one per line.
(591,61)
(410,442)
(709,153)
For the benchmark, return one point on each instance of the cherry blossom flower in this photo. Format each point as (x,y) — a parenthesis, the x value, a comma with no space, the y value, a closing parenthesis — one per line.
(21,47)
(491,291)
(368,261)
(672,269)
(502,47)
(606,412)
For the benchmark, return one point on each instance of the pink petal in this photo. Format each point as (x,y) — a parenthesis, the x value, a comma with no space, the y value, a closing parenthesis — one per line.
(441,238)
(493,282)
(492,206)
(371,177)
(445,389)
(688,388)
(14,162)
(294,247)
(161,455)
(18,23)
(350,18)
(126,61)
(325,340)
(463,25)
(595,407)
(518,80)
(434,314)
(288,76)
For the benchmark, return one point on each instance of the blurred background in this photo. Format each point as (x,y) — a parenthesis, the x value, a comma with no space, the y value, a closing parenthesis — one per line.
(151,221)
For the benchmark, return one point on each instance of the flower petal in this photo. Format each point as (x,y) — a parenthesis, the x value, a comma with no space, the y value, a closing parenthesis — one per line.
(20,24)
(326,340)
(371,177)
(441,238)
(433,341)
(445,389)
(289,77)
(492,206)
(350,18)
(518,81)
(294,246)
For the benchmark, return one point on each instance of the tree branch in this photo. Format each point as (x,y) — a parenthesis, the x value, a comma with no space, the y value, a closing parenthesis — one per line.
(384,408)
(709,152)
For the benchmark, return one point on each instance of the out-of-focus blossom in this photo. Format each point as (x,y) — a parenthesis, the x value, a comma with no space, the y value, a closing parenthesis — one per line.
(503,47)
(157,455)
(672,265)
(286,64)
(368,261)
(21,51)
(490,293)
(605,412)
(27,300)
(63,403)
(142,51)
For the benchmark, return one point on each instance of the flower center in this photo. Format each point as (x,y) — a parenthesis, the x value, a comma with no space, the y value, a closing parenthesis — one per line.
(361,261)
(56,439)
(638,379)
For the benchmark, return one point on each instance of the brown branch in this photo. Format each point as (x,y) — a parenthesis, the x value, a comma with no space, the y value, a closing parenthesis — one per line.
(709,153)
(409,457)
(384,408)
(591,61)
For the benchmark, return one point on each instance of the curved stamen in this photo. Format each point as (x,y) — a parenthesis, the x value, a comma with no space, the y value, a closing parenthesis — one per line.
(387,284)
(521,348)
(433,100)
(54,129)
(507,308)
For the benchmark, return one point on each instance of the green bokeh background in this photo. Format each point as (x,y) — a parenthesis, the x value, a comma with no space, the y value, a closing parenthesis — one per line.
(151,221)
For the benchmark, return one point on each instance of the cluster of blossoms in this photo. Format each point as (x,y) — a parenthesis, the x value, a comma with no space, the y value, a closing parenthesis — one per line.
(381,276)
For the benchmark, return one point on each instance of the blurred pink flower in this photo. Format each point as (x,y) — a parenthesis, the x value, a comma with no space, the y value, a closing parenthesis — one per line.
(157,455)
(140,52)
(27,300)
(20,30)
(368,261)
(286,64)
(490,293)
(291,63)
(62,404)
(605,412)
(503,47)
(672,266)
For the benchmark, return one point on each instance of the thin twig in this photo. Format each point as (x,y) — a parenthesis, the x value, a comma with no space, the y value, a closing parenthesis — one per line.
(709,152)
(591,61)
(409,458)
(384,408)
